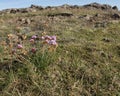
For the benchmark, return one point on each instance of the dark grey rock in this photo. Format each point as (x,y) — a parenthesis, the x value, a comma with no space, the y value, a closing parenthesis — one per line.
(116,16)
(115,8)
(36,7)
(98,6)
(66,14)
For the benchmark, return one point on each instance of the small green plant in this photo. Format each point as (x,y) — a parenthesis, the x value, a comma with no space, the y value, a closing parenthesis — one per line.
(43,59)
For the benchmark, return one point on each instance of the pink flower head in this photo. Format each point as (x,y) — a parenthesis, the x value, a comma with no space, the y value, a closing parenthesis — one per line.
(52,42)
(19,46)
(33,50)
(48,37)
(32,40)
(53,38)
(42,37)
(47,41)
(34,37)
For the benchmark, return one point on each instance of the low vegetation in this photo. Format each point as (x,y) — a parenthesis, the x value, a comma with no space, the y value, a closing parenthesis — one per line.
(49,55)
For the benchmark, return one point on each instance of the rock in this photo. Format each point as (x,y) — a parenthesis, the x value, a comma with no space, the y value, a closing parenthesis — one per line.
(24,20)
(75,7)
(21,19)
(105,7)
(98,6)
(33,8)
(106,40)
(13,11)
(116,16)
(65,14)
(23,10)
(114,8)
(87,17)
(36,7)
(95,5)
(48,7)
(66,6)
(98,15)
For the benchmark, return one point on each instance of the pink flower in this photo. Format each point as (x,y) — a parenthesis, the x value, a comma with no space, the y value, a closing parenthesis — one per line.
(52,42)
(33,50)
(53,38)
(32,40)
(42,37)
(48,37)
(34,37)
(46,41)
(19,46)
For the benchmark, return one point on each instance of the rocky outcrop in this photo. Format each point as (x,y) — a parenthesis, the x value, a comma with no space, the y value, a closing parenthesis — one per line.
(36,7)
(15,10)
(66,6)
(65,14)
(22,10)
(24,21)
(98,6)
(116,16)
(86,17)
(32,8)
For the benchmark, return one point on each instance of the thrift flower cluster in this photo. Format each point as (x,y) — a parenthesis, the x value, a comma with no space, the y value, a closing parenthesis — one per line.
(32,44)
(51,40)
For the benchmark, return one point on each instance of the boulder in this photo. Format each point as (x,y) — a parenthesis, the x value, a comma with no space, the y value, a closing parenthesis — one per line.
(36,7)
(116,16)
(24,20)
(94,5)
(14,11)
(86,17)
(114,8)
(105,7)
(65,14)
(98,6)
(23,10)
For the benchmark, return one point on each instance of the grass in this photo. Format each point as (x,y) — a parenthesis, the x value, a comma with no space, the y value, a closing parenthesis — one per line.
(86,62)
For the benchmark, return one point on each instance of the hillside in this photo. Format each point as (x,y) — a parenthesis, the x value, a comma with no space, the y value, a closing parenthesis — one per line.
(84,60)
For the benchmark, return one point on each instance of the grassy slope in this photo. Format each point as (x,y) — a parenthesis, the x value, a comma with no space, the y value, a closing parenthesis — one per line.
(86,63)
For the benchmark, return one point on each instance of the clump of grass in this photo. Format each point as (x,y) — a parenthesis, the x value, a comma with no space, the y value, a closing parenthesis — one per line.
(43,59)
